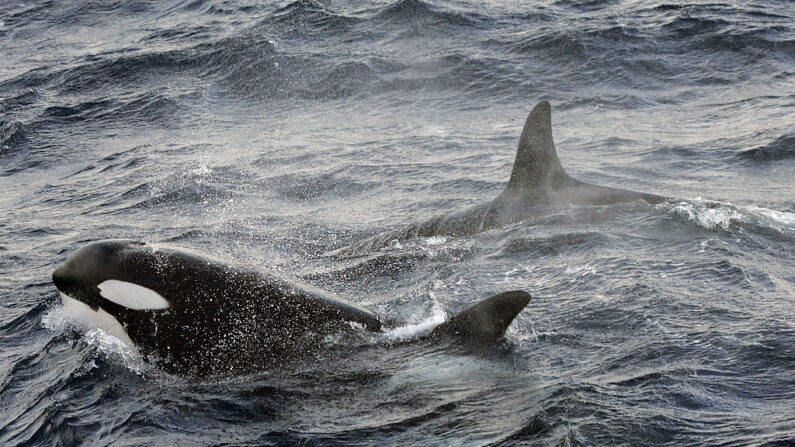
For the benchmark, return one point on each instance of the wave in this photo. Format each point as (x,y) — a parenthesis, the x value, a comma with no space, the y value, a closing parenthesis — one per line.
(198,32)
(12,134)
(555,245)
(727,217)
(19,101)
(782,148)
(252,64)
(305,187)
(143,107)
(418,11)
(306,16)
(248,65)
(79,13)
(390,265)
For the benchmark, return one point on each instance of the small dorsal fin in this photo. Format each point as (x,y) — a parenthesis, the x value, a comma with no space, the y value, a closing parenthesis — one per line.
(487,320)
(536,162)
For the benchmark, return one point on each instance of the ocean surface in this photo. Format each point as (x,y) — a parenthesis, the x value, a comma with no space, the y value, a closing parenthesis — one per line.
(273,134)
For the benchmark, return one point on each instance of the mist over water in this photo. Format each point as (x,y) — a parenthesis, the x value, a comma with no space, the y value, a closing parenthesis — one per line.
(274,134)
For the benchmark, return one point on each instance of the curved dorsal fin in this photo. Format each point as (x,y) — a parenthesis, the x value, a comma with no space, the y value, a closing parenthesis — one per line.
(487,320)
(536,162)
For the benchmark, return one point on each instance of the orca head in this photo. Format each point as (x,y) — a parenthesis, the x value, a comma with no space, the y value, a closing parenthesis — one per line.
(96,273)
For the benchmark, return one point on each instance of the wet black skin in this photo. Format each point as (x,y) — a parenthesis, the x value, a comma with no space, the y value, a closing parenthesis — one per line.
(220,318)
(228,319)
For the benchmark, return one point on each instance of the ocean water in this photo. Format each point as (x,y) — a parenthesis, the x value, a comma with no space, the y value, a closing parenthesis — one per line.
(276,133)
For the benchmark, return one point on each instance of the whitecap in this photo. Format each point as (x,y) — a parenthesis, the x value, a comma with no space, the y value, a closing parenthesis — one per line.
(711,215)
(773,217)
(708,215)
(201,170)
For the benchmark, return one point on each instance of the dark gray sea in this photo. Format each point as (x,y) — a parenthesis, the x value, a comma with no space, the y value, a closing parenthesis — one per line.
(273,134)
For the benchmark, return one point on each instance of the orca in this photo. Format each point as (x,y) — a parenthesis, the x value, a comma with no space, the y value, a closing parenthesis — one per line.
(537,186)
(193,314)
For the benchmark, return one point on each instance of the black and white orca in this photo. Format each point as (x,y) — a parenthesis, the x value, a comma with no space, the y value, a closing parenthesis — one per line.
(193,314)
(538,185)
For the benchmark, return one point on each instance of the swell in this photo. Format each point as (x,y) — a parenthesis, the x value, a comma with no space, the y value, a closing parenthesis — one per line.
(414,11)
(307,17)
(250,63)
(782,148)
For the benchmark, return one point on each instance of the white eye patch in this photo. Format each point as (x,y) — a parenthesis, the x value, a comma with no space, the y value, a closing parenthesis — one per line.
(132,296)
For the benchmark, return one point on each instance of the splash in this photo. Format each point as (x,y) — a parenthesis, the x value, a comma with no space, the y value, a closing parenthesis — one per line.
(435,240)
(423,243)
(202,170)
(114,348)
(419,329)
(61,318)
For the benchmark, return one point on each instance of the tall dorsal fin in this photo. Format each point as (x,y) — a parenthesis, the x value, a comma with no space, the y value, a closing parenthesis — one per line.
(536,162)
